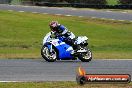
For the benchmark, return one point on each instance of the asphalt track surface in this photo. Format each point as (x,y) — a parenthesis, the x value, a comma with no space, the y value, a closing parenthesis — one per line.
(40,70)
(71,12)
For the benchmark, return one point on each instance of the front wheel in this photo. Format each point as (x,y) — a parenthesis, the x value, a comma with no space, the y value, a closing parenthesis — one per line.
(48,55)
(85,57)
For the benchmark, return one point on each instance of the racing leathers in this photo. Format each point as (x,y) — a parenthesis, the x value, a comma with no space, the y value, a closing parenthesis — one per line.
(68,37)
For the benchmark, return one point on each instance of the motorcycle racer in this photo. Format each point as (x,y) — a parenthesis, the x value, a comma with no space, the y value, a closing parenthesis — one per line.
(61,44)
(60,30)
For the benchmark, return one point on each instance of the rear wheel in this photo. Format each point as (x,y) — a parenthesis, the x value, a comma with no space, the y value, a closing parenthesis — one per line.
(85,57)
(48,55)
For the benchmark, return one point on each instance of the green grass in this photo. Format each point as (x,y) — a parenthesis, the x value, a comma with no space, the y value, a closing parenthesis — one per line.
(16,2)
(21,34)
(112,2)
(61,85)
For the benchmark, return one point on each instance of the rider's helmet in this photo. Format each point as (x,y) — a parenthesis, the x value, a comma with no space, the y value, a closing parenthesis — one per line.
(54,26)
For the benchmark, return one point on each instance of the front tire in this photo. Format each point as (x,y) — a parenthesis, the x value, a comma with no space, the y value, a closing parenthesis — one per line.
(47,55)
(85,57)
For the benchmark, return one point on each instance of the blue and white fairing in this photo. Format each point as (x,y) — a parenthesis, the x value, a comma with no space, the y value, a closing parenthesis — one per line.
(64,50)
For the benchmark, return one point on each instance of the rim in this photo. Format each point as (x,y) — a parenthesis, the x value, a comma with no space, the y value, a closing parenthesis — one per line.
(48,54)
(87,55)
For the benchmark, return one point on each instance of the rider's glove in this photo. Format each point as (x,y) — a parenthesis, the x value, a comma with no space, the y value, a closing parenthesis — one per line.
(52,36)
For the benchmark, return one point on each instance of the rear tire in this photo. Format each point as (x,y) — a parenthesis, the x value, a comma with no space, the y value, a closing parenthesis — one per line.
(50,57)
(85,57)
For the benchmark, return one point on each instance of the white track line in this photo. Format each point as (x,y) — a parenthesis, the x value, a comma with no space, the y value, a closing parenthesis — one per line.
(113,59)
(12,5)
(93,17)
(8,81)
(59,8)
(44,13)
(103,18)
(91,10)
(112,19)
(17,81)
(58,14)
(21,11)
(34,12)
(43,7)
(26,6)
(108,11)
(123,12)
(80,16)
(68,15)
(10,10)
(121,20)
(73,9)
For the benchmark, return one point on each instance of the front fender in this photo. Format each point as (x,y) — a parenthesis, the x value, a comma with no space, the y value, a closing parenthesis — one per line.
(46,38)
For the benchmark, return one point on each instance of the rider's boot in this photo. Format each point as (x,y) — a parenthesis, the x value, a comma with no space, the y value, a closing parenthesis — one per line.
(77,48)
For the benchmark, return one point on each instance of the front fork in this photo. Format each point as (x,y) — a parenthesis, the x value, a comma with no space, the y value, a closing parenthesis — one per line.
(51,48)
